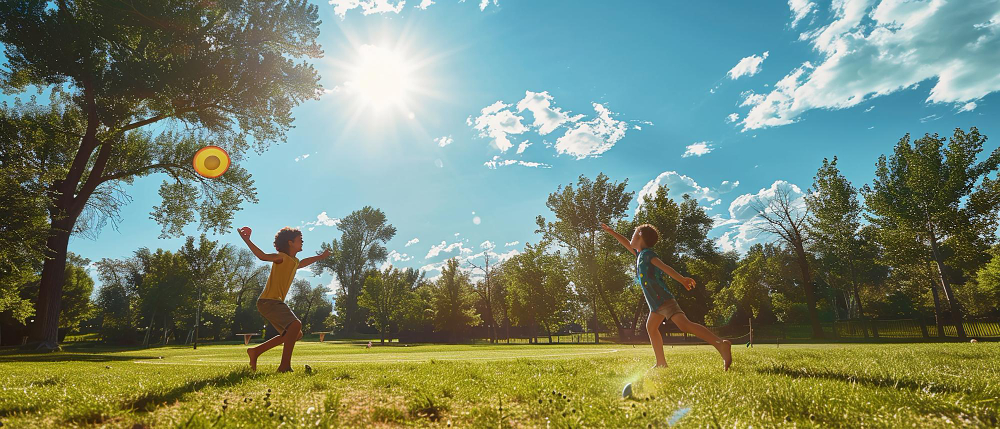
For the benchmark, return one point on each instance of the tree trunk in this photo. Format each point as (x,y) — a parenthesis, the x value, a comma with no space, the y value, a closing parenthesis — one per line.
(861,311)
(810,293)
(593,305)
(937,310)
(956,307)
(197,319)
(46,329)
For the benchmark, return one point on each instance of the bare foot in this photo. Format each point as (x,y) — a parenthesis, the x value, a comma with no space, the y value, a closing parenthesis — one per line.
(725,349)
(253,358)
(289,369)
(659,365)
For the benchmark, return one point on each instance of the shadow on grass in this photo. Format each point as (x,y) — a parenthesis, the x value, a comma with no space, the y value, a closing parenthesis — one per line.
(151,400)
(70,357)
(882,382)
(8,410)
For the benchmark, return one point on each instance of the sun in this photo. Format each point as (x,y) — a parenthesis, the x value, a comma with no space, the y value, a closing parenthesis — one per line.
(381,78)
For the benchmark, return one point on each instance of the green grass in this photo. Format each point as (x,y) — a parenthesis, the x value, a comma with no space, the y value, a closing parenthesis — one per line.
(850,385)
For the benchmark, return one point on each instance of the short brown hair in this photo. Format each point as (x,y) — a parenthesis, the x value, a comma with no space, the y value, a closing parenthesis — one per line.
(282,238)
(649,234)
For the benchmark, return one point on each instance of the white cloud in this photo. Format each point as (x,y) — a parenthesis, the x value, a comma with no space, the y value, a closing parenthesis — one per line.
(424,4)
(412,242)
(678,184)
(800,9)
(874,48)
(477,220)
(484,3)
(368,7)
(732,117)
(869,109)
(511,243)
(748,66)
(968,107)
(444,247)
(928,118)
(593,137)
(750,99)
(496,162)
(743,222)
(524,145)
(301,157)
(496,122)
(698,149)
(582,139)
(321,220)
(488,245)
(444,141)
(547,118)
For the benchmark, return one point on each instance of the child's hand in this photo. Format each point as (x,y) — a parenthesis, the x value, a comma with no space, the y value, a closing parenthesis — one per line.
(606,228)
(688,283)
(244,232)
(325,254)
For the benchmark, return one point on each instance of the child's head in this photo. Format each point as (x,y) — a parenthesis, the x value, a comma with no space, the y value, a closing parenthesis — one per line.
(288,240)
(645,235)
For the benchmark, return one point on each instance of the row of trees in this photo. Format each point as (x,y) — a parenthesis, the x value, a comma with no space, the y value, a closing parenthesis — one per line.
(918,241)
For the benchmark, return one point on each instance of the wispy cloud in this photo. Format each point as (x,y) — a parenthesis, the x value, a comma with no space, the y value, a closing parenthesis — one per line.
(874,48)
(321,220)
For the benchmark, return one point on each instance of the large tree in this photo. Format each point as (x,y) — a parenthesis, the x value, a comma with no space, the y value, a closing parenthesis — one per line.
(203,262)
(539,289)
(454,301)
(579,212)
(491,290)
(935,191)
(784,217)
(361,246)
(835,224)
(384,295)
(138,87)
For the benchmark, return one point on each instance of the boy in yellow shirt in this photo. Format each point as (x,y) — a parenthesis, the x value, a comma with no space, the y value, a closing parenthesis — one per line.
(271,302)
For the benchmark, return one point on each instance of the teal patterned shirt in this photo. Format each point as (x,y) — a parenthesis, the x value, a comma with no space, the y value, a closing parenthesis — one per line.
(650,278)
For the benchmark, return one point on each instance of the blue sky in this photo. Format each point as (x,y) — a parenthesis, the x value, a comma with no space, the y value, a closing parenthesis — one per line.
(723,101)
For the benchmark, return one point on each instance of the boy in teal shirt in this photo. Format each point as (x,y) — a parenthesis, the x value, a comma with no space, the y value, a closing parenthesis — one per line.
(649,271)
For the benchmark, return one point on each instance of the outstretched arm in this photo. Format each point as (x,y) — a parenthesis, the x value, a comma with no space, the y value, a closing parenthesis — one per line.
(270,257)
(307,261)
(621,238)
(687,282)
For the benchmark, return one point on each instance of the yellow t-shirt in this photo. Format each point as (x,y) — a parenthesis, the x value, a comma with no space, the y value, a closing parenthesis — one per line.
(281,278)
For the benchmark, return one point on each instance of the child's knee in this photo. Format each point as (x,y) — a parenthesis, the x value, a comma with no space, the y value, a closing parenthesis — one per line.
(300,335)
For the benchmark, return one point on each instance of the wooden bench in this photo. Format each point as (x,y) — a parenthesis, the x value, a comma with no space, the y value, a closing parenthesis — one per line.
(247,336)
(322,334)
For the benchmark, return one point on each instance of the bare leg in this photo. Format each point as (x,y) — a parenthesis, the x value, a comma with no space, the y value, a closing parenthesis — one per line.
(291,335)
(724,347)
(256,351)
(655,339)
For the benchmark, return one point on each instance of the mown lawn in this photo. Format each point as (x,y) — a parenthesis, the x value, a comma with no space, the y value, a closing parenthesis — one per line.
(850,385)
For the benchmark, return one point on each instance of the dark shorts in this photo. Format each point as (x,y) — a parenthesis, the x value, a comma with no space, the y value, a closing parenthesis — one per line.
(276,312)
(670,308)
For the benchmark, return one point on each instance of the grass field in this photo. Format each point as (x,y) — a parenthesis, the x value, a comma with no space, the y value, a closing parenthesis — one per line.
(851,385)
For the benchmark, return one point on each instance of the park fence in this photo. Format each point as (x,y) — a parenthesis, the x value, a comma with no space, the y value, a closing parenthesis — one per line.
(914,328)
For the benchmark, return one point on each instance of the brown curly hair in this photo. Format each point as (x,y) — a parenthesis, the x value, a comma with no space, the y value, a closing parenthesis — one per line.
(282,238)
(650,235)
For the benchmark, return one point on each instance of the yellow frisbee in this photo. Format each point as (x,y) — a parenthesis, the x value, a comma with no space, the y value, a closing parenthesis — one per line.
(211,161)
